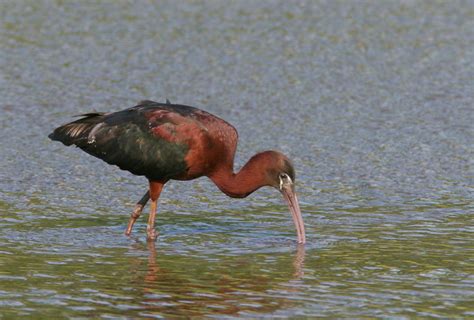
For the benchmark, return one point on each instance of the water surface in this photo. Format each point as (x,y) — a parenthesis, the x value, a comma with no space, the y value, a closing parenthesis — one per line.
(373,101)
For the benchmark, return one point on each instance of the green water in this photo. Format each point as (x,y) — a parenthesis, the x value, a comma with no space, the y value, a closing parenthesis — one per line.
(88,269)
(373,101)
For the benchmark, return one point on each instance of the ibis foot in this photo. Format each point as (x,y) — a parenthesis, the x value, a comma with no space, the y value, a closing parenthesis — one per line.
(134,216)
(136,212)
(151,235)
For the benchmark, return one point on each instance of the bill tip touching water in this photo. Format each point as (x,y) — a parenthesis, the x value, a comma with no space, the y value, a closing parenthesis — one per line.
(164,141)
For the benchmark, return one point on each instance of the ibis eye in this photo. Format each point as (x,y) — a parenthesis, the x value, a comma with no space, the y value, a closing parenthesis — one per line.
(284,176)
(284,180)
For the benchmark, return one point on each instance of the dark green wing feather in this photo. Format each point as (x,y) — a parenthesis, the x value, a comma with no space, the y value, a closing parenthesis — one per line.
(125,139)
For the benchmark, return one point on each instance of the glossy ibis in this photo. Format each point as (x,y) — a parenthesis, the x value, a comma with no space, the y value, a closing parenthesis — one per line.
(164,141)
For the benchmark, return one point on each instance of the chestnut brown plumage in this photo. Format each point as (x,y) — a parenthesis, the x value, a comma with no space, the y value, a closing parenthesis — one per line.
(164,141)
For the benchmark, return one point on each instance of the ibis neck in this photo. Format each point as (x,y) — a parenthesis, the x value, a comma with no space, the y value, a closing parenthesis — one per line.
(239,185)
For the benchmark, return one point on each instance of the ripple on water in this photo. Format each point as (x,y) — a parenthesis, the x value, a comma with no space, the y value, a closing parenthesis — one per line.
(374,108)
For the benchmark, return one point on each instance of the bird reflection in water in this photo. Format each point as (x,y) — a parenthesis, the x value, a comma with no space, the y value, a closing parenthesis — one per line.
(298,261)
(186,286)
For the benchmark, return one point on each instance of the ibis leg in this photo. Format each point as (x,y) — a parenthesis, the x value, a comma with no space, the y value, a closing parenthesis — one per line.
(155,191)
(136,212)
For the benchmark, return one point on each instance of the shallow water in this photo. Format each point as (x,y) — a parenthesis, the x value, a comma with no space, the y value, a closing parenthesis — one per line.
(373,101)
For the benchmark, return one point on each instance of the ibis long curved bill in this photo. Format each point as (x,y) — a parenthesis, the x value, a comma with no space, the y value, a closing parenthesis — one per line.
(289,194)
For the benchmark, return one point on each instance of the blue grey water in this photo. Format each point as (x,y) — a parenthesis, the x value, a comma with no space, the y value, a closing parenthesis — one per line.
(372,100)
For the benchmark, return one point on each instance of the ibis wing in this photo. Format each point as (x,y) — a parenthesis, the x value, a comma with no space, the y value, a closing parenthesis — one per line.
(126,139)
